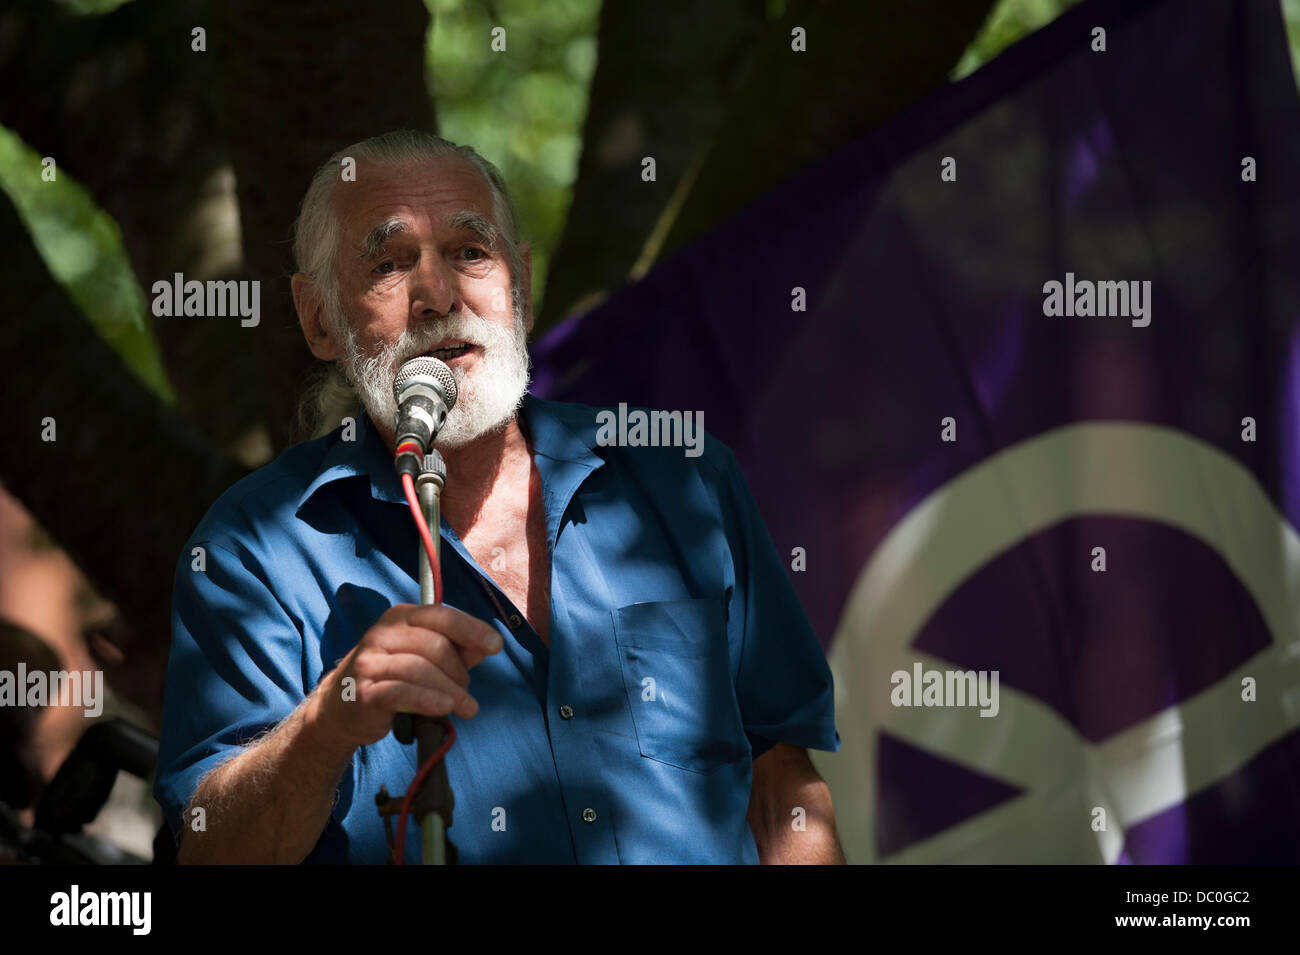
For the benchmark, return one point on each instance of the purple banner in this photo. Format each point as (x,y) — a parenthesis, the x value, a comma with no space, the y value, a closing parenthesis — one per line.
(1017,375)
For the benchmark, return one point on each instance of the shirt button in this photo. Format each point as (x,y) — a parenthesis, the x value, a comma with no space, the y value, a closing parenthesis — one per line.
(516,621)
(588,815)
(566,712)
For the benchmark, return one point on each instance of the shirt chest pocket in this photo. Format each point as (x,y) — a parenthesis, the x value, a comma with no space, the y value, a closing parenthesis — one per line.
(677,674)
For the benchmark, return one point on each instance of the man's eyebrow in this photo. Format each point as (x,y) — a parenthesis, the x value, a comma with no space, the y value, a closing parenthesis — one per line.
(467,219)
(376,237)
(480,225)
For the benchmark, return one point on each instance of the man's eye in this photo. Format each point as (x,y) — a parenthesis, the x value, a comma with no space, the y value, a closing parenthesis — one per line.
(385,268)
(481,254)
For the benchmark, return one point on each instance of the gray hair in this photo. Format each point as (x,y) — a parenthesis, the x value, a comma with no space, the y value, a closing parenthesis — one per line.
(328,396)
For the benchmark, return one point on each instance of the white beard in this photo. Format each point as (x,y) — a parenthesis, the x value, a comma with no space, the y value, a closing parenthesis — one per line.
(488,396)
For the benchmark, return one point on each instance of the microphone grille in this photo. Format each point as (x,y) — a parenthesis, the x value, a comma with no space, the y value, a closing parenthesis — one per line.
(425,367)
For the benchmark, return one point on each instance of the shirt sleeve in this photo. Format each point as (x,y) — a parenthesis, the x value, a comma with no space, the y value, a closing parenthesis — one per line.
(784,686)
(235,670)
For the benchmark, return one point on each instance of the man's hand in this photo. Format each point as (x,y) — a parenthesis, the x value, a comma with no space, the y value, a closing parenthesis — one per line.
(785,781)
(415,659)
(271,803)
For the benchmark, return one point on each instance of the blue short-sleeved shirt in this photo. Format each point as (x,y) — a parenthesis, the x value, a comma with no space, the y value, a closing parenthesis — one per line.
(678,649)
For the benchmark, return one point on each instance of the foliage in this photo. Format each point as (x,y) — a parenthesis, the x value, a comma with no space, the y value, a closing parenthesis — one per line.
(1011,21)
(82,247)
(523,110)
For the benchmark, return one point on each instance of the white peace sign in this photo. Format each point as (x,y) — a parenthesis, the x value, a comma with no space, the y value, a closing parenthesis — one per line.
(1097,468)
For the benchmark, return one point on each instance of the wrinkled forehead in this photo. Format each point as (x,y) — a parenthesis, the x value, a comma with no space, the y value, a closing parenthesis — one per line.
(444,193)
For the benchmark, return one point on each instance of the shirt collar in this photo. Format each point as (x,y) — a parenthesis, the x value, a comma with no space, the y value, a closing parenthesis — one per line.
(560,431)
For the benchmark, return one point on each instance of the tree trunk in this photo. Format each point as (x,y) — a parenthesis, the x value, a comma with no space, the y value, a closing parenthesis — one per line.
(124,105)
(864,62)
(125,480)
(662,85)
(298,79)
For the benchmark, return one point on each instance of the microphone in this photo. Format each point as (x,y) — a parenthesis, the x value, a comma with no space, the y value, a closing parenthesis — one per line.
(425,390)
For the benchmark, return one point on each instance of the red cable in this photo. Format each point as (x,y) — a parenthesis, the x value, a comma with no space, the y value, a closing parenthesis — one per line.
(415,784)
(408,485)
(417,513)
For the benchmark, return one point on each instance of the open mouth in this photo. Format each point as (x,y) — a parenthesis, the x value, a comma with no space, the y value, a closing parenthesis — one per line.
(449,353)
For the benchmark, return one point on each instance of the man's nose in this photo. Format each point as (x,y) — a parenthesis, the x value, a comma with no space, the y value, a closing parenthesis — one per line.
(435,290)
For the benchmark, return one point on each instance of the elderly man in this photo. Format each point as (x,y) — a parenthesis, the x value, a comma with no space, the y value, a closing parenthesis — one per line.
(644,683)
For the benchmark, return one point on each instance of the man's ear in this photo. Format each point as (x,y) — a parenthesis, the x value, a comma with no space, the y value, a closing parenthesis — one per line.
(526,253)
(310,305)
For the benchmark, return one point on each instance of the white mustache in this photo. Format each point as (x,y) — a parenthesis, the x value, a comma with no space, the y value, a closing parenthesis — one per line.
(464,331)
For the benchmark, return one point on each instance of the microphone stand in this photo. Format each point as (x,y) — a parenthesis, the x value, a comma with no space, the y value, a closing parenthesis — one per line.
(434,800)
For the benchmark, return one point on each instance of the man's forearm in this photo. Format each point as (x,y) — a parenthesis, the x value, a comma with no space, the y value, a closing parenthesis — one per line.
(271,803)
(790,810)
(785,837)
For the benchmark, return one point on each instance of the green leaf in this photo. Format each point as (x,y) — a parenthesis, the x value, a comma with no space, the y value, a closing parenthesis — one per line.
(82,246)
